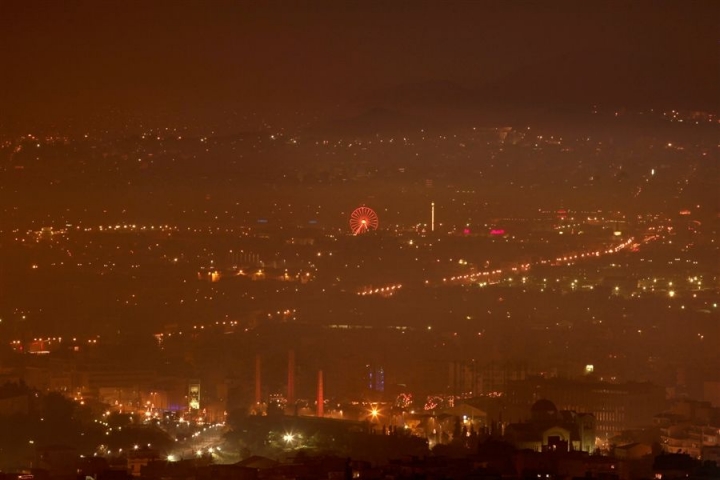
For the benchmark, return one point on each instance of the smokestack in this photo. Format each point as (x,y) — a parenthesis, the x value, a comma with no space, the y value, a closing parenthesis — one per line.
(291,378)
(258,384)
(320,399)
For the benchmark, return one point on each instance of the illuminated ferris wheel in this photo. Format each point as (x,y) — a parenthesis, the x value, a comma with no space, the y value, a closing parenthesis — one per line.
(362,220)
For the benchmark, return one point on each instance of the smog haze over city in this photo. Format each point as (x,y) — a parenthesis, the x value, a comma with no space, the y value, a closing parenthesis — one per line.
(335,239)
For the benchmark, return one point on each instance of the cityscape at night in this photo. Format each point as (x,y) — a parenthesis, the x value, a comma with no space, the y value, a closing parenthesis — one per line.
(360,240)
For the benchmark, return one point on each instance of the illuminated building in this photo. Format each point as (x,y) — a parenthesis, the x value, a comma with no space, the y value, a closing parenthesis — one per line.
(552,430)
(194,395)
(375,378)
(616,407)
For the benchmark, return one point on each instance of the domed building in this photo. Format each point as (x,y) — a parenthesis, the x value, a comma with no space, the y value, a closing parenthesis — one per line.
(551,430)
(543,410)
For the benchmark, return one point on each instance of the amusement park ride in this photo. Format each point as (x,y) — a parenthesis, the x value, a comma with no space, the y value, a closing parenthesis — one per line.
(362,220)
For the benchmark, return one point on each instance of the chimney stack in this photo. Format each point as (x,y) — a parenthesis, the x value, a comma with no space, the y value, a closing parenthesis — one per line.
(291,378)
(258,384)
(320,396)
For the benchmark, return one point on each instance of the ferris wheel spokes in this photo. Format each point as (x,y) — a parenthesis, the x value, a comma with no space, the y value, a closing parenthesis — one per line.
(362,220)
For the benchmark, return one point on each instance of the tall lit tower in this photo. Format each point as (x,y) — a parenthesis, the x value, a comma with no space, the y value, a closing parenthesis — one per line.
(432,217)
(320,394)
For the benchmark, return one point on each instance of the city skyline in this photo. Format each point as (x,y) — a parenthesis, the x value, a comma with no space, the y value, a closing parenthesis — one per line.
(325,240)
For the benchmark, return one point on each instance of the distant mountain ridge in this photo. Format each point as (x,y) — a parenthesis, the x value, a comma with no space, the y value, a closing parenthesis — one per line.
(610,78)
(579,79)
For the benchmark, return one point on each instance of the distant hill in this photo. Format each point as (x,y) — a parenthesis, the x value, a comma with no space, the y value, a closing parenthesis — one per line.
(421,95)
(573,81)
(373,121)
(560,90)
(610,78)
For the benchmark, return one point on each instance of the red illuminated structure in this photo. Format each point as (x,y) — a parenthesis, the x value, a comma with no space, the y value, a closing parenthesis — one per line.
(320,395)
(362,220)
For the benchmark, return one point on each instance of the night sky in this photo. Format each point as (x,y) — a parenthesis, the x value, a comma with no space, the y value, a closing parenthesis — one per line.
(83,60)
